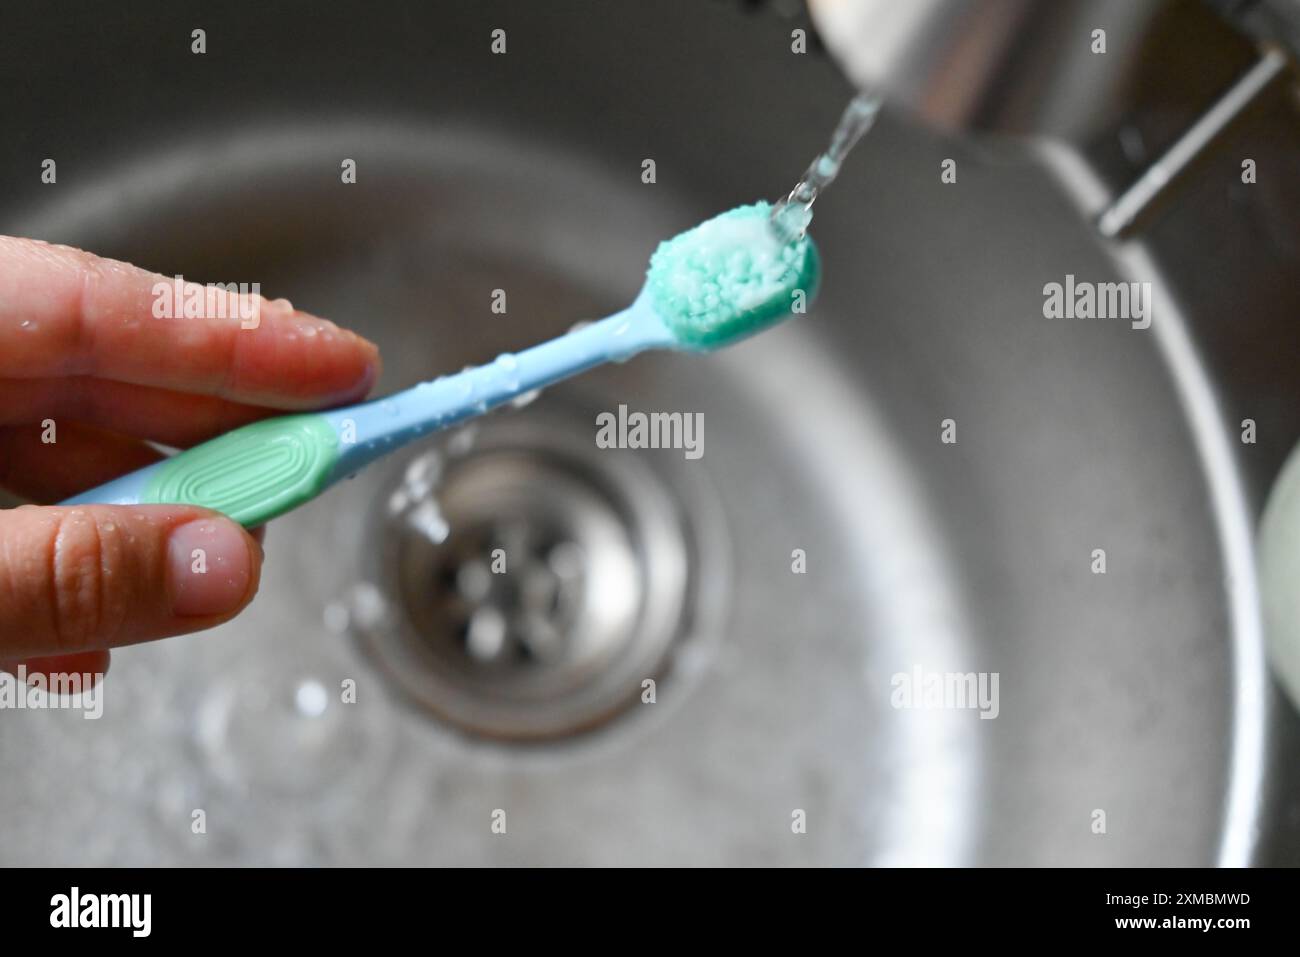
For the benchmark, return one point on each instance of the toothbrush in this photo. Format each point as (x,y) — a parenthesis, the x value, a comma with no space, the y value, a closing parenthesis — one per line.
(708,287)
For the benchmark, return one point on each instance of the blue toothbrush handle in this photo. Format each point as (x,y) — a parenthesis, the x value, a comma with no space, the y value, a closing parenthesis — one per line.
(267,468)
(372,429)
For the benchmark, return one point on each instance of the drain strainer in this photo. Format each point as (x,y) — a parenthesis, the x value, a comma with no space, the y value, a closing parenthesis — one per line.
(531,584)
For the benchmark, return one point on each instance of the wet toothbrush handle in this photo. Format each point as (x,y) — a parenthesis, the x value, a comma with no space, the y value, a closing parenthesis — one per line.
(373,429)
(265,469)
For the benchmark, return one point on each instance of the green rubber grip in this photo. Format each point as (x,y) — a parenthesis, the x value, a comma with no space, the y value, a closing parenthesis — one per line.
(252,473)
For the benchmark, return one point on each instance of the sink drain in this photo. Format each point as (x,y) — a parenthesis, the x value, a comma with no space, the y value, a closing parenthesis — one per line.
(529,583)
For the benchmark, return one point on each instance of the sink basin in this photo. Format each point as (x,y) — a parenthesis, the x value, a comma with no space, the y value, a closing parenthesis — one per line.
(1140,692)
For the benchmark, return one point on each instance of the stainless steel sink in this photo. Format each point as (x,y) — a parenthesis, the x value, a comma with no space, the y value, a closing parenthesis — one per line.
(1140,692)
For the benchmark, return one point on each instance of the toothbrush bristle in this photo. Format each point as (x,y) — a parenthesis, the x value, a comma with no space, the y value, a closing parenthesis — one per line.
(730,277)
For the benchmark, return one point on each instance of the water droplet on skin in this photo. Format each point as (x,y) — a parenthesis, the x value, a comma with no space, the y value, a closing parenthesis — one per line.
(507,362)
(310,331)
(622,328)
(27,324)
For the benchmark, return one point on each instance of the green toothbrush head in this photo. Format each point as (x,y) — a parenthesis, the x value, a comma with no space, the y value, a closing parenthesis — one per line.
(729,278)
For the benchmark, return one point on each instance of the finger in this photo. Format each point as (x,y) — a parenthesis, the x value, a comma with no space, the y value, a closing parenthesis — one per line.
(65,312)
(81,457)
(91,663)
(75,579)
(173,418)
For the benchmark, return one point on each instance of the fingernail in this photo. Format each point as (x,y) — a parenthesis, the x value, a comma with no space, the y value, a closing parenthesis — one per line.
(210,567)
(374,364)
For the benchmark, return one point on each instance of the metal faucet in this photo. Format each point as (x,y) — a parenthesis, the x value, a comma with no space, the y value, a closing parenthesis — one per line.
(1061,69)
(1004,66)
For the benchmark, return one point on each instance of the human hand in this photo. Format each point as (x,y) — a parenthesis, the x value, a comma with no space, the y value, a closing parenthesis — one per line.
(84,361)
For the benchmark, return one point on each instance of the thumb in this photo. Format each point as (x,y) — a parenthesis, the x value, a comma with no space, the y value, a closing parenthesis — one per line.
(94,576)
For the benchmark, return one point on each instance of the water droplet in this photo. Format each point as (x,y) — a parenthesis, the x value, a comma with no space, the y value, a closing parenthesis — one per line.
(486,634)
(391,407)
(27,324)
(525,398)
(369,608)
(462,441)
(311,699)
(427,520)
(422,475)
(507,361)
(622,328)
(336,617)
(473,581)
